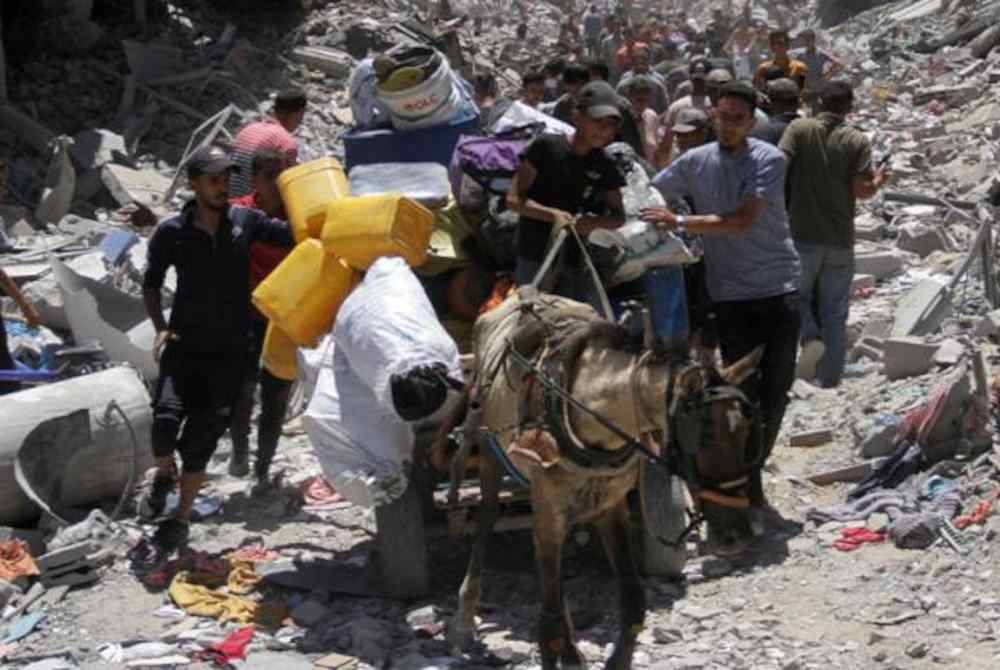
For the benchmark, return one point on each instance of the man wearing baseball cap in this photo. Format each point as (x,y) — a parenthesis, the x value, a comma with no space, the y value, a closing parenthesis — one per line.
(785,99)
(698,98)
(566,182)
(737,187)
(202,349)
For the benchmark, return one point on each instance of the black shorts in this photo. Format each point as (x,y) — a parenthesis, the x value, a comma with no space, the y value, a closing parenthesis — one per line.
(193,402)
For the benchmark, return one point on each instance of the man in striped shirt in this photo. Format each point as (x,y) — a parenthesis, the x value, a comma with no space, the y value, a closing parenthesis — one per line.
(271,134)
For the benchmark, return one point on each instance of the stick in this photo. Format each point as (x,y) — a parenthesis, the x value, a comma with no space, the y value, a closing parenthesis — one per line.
(917,199)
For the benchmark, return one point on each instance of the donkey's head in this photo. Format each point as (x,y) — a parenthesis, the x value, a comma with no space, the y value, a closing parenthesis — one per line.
(716,446)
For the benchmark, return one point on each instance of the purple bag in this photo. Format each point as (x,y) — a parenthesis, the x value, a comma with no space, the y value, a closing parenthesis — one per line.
(484,165)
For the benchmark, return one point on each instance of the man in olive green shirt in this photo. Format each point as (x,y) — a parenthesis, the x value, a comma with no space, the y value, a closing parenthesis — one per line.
(829,169)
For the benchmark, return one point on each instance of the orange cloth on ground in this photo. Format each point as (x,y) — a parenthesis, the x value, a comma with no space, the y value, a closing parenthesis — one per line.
(16,560)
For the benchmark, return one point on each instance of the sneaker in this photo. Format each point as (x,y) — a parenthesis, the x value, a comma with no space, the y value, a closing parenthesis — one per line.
(172,534)
(809,358)
(154,502)
(239,465)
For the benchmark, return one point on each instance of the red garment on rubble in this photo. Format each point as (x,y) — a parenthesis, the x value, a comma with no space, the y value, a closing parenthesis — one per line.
(16,561)
(233,648)
(854,538)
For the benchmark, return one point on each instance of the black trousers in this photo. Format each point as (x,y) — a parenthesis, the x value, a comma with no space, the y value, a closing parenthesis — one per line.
(774,323)
(274,394)
(192,405)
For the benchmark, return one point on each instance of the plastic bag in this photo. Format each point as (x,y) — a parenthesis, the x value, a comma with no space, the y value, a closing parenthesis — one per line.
(519,115)
(364,450)
(388,327)
(368,110)
(427,183)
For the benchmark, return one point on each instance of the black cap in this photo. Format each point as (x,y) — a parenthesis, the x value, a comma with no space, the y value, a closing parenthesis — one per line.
(598,100)
(741,90)
(209,160)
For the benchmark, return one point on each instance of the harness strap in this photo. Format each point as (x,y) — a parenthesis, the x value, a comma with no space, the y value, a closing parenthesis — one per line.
(723,500)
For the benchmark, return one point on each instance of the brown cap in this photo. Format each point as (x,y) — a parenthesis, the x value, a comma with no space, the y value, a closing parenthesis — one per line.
(689,120)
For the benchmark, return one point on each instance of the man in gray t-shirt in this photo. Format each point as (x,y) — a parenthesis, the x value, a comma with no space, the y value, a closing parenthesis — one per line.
(738,187)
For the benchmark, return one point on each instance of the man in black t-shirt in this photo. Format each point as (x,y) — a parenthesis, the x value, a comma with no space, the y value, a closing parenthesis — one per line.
(569,183)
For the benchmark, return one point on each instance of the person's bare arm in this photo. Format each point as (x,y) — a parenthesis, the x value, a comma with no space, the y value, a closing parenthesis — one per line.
(867,185)
(9,287)
(736,222)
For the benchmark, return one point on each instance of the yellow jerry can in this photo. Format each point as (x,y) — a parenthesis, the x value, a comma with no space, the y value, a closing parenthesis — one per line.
(361,230)
(305,291)
(307,190)
(280,354)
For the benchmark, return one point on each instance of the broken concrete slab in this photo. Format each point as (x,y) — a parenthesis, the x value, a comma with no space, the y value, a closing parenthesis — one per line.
(79,578)
(60,184)
(989,325)
(921,240)
(923,309)
(37,440)
(907,357)
(950,352)
(869,227)
(879,264)
(140,187)
(334,62)
(881,437)
(64,556)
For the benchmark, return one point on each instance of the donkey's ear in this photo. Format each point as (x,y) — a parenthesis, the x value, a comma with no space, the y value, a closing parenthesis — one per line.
(737,373)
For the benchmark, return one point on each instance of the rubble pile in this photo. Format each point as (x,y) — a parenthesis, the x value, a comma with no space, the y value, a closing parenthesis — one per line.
(895,475)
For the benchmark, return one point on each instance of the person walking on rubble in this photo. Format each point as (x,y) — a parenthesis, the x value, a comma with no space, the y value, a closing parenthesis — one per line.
(737,187)
(274,392)
(271,134)
(822,65)
(830,168)
(202,350)
(563,183)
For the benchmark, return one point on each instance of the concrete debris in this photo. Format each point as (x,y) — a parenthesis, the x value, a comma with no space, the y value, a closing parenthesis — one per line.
(907,357)
(879,264)
(329,61)
(923,309)
(989,325)
(921,239)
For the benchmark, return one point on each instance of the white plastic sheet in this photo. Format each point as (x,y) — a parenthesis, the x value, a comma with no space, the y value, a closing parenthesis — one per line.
(386,326)
(364,451)
(519,115)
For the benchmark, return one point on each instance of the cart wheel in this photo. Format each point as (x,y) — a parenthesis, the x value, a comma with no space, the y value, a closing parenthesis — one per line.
(402,550)
(662,499)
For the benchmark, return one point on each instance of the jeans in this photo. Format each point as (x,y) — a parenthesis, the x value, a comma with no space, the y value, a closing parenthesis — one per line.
(825,291)
(274,393)
(774,324)
(192,405)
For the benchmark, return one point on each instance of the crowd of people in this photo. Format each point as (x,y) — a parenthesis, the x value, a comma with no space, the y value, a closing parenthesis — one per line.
(749,143)
(752,149)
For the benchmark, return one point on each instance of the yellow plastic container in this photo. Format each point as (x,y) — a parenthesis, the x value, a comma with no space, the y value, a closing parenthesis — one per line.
(307,190)
(280,354)
(360,230)
(303,294)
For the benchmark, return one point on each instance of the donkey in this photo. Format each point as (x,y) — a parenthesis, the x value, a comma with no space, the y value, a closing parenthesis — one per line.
(581,470)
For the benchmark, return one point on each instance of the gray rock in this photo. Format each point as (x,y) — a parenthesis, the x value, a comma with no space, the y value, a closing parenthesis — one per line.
(907,357)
